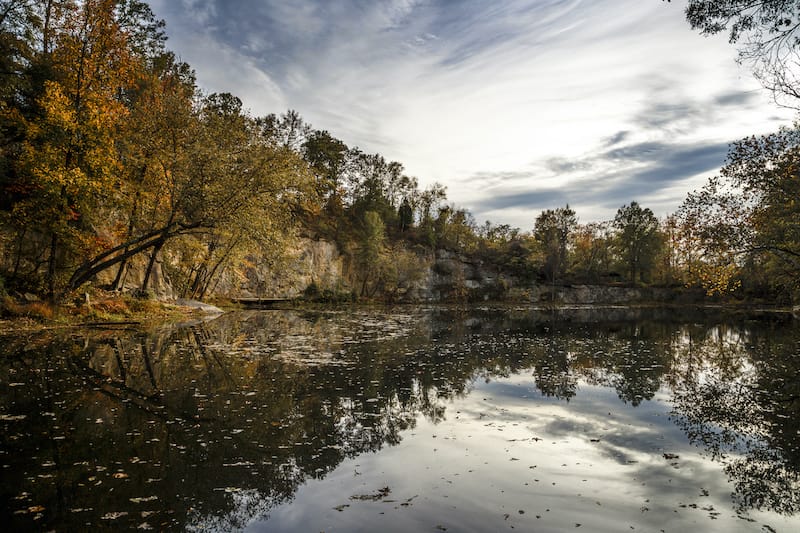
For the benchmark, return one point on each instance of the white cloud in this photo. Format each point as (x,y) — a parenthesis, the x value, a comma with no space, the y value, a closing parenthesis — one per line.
(459,90)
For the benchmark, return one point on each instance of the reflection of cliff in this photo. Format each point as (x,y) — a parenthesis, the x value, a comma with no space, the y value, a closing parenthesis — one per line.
(213,424)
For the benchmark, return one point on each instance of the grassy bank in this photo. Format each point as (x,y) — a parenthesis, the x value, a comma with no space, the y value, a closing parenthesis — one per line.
(98,308)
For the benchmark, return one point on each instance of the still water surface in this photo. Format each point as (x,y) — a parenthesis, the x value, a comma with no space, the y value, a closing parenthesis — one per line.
(407,420)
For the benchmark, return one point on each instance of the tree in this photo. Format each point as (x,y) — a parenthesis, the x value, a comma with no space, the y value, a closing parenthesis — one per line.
(750,213)
(154,132)
(400,269)
(221,181)
(591,253)
(454,229)
(552,230)
(405,215)
(370,247)
(427,204)
(369,185)
(327,156)
(19,25)
(69,159)
(287,131)
(767,32)
(637,239)
(670,260)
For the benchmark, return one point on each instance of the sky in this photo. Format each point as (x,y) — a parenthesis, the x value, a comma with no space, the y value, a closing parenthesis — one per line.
(516,106)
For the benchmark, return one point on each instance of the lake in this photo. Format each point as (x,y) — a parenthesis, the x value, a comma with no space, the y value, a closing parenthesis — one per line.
(407,419)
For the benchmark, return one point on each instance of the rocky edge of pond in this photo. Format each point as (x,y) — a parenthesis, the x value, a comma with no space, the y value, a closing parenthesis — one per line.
(316,270)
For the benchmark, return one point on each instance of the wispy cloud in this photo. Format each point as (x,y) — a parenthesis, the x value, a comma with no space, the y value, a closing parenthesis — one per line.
(516,105)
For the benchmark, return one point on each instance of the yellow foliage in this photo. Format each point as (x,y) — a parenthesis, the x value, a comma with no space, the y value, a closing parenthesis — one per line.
(717,279)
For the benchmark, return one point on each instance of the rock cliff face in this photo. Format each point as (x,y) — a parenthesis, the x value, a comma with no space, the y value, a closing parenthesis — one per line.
(447,277)
(133,276)
(454,277)
(309,262)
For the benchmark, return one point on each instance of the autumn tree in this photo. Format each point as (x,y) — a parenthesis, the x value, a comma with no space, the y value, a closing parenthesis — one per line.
(222,182)
(750,213)
(68,160)
(151,143)
(592,252)
(243,191)
(637,239)
(288,130)
(454,229)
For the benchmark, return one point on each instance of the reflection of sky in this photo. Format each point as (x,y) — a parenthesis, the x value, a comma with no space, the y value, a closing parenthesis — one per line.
(506,456)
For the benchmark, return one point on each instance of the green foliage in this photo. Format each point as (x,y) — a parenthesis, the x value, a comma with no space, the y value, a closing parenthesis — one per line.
(455,229)
(508,249)
(638,240)
(370,247)
(552,231)
(592,251)
(327,157)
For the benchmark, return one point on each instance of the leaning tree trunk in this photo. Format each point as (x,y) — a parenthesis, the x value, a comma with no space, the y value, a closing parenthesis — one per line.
(151,264)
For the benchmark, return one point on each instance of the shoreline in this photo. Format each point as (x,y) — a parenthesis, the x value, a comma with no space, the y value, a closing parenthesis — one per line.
(157,312)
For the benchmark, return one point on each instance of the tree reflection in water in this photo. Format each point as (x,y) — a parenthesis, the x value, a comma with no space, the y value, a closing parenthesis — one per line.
(742,404)
(209,425)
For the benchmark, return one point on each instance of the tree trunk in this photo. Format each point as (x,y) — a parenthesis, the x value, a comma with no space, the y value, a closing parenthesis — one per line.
(116,284)
(18,257)
(51,267)
(197,282)
(217,265)
(108,258)
(131,226)
(157,248)
(46,29)
(52,264)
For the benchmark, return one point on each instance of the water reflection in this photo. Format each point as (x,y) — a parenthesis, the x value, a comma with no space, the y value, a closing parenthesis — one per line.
(212,425)
(744,408)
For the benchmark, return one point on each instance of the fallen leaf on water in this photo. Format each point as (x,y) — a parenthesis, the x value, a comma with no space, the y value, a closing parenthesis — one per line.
(382,493)
(147,499)
(113,516)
